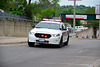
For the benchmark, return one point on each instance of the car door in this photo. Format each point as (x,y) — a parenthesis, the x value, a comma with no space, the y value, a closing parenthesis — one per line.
(64,32)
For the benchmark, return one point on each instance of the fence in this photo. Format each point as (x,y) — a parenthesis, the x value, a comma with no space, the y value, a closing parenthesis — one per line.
(9,16)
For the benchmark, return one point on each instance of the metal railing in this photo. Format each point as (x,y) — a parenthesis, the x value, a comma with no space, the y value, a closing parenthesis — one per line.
(15,17)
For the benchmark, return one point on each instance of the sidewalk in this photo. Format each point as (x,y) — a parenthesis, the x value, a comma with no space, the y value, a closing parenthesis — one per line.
(13,40)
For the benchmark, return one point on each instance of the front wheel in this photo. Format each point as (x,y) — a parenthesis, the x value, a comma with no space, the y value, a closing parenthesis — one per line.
(61,43)
(66,43)
(31,44)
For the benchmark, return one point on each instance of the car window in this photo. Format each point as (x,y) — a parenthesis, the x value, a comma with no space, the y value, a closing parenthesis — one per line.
(48,25)
(63,26)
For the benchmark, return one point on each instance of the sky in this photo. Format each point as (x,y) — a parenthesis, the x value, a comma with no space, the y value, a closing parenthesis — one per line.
(83,2)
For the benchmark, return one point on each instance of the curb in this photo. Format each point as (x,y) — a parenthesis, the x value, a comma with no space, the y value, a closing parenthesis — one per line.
(13,43)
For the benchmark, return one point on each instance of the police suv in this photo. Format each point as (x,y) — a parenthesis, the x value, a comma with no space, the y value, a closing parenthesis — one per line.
(52,32)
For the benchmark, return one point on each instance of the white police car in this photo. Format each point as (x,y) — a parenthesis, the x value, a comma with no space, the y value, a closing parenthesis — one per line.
(49,32)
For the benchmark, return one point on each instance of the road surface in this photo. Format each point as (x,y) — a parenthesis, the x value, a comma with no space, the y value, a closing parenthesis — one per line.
(79,53)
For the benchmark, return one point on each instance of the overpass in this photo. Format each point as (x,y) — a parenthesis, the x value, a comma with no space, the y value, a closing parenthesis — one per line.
(79,16)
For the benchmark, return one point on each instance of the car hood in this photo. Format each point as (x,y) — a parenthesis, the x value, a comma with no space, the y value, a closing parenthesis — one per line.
(44,30)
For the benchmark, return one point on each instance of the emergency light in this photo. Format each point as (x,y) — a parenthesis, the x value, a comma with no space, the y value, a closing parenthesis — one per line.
(55,20)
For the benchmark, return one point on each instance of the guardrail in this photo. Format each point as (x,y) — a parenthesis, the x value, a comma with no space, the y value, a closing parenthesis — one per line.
(9,16)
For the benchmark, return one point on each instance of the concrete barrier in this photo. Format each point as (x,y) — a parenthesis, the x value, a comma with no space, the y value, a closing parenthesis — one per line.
(86,32)
(15,28)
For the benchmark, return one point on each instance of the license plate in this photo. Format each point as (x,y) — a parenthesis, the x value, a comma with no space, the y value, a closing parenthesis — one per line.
(41,40)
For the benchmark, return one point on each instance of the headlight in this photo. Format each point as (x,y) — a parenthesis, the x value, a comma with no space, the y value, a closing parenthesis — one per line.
(55,35)
(31,33)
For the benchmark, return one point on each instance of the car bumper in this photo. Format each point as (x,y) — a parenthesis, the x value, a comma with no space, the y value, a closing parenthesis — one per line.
(51,40)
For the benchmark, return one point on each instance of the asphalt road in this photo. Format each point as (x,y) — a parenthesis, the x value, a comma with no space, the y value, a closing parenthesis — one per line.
(79,53)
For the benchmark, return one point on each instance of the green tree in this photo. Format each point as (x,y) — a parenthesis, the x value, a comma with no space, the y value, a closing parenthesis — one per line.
(44,4)
(46,13)
(29,1)
(56,6)
(32,9)
(68,11)
(17,7)
(58,10)
(55,3)
(5,4)
(29,11)
(90,10)
(93,23)
(77,22)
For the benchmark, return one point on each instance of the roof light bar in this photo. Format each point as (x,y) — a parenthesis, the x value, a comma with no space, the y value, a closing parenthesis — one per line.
(45,19)
(55,20)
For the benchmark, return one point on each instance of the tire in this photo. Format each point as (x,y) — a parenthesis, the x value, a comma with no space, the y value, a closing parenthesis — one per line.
(31,44)
(61,43)
(66,43)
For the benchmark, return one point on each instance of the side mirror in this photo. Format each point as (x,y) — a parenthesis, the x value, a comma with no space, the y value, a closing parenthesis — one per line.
(67,29)
(64,29)
(60,28)
(33,26)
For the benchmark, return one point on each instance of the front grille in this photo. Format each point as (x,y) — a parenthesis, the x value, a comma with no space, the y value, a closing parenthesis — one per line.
(42,41)
(41,35)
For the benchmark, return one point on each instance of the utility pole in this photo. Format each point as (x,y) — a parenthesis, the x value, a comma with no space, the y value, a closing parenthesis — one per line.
(74,16)
(98,12)
(99,25)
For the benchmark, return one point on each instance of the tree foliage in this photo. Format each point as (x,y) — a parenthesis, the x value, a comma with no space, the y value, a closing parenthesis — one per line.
(42,9)
(46,13)
(93,23)
(17,6)
(5,4)
(77,22)
(29,11)
(68,11)
(79,9)
(90,10)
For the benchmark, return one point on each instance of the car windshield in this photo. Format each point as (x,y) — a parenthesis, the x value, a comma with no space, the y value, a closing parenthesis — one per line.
(48,25)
